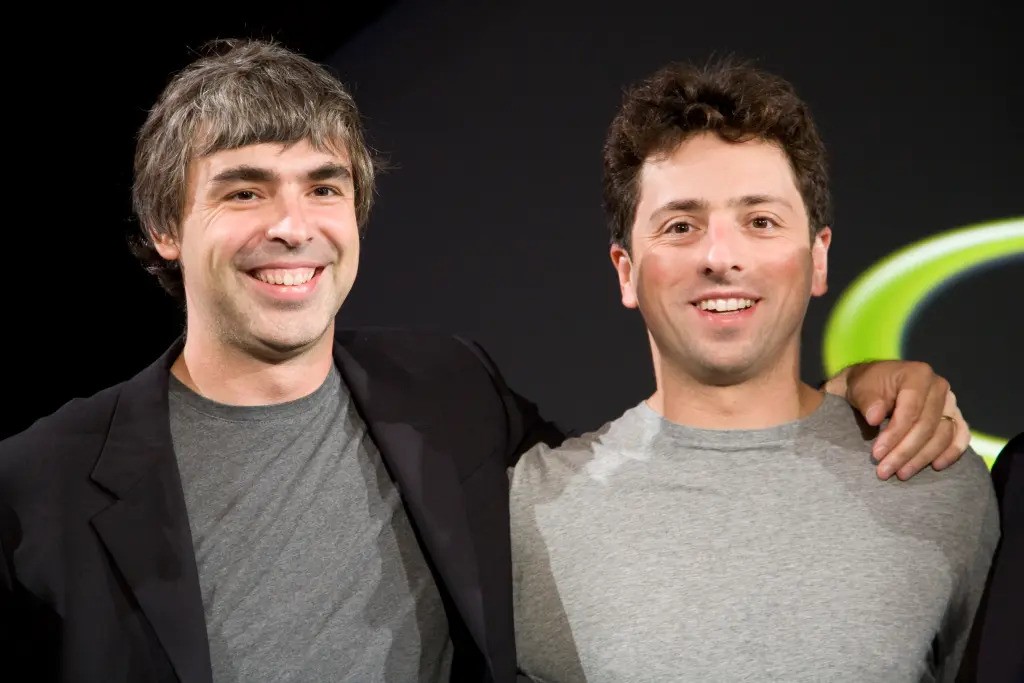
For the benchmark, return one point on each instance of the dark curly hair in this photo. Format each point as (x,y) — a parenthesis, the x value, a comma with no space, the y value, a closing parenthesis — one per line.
(734,100)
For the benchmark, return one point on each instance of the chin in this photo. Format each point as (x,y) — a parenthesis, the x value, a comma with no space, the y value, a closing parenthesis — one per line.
(723,373)
(286,344)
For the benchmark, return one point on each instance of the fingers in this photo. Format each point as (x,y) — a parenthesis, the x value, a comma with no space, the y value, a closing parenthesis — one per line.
(921,396)
(875,413)
(938,446)
(865,388)
(962,438)
(914,424)
(916,400)
(872,388)
(950,455)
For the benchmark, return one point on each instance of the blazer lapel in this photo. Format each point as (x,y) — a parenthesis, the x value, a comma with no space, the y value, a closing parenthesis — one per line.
(146,530)
(400,421)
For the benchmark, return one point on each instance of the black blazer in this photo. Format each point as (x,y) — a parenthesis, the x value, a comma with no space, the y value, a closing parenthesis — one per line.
(98,580)
(995,653)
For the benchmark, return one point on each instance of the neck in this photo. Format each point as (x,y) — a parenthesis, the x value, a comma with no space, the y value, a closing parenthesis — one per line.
(235,376)
(767,399)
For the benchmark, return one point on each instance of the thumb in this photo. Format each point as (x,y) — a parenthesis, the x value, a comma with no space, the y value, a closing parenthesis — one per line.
(873,392)
(875,413)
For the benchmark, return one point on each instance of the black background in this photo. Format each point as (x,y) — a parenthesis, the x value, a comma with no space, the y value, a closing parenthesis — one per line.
(490,224)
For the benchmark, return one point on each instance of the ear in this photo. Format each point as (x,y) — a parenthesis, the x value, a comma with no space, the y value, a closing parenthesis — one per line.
(624,267)
(819,261)
(165,245)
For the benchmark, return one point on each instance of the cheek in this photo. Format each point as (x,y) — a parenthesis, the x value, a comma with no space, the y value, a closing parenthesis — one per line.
(340,229)
(349,234)
(230,234)
(789,269)
(339,217)
(238,242)
(349,248)
(662,270)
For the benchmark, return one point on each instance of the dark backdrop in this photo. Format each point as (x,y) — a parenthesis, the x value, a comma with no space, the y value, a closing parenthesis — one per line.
(490,223)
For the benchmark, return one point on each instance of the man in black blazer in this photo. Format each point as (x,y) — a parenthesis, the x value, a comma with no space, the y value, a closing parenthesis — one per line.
(99,580)
(275,499)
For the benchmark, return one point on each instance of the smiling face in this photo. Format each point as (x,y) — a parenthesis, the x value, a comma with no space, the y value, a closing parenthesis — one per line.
(722,262)
(268,247)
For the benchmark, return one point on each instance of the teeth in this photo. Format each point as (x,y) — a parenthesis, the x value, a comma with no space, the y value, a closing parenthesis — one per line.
(285,276)
(722,305)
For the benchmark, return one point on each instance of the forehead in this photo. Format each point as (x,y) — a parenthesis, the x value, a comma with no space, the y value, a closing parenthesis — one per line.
(706,167)
(281,158)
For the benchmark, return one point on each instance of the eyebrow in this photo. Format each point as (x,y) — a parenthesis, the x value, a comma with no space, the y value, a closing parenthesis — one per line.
(683,205)
(330,171)
(756,199)
(703,205)
(255,174)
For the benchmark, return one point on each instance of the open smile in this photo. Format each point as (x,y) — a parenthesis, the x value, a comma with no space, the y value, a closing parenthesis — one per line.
(288,284)
(732,309)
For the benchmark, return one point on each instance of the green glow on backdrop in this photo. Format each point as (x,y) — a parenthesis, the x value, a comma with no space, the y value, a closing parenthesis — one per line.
(871,318)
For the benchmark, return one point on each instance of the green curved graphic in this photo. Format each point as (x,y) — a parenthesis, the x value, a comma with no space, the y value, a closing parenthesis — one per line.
(871,318)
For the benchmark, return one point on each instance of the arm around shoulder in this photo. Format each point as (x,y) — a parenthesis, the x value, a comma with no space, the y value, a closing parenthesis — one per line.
(526,426)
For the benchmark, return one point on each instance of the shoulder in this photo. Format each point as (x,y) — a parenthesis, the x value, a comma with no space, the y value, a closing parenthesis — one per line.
(80,422)
(423,352)
(53,444)
(586,455)
(45,472)
(46,489)
(79,418)
(444,385)
(958,504)
(963,491)
(969,484)
(412,342)
(432,369)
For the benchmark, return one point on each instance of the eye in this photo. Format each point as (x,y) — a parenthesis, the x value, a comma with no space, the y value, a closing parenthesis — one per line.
(678,227)
(243,195)
(763,223)
(325,191)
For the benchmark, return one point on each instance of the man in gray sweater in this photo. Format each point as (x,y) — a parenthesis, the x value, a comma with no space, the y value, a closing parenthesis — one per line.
(732,526)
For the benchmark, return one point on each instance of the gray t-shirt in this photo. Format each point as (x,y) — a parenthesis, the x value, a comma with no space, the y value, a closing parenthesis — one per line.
(650,551)
(308,564)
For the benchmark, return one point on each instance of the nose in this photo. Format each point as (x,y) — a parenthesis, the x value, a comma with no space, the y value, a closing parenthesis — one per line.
(292,226)
(723,248)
